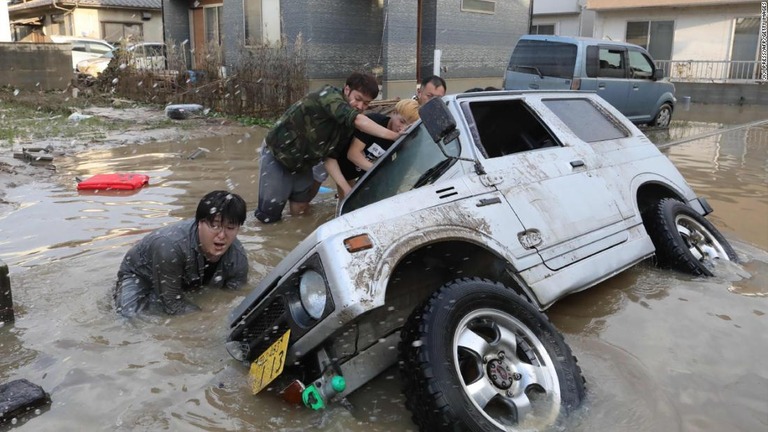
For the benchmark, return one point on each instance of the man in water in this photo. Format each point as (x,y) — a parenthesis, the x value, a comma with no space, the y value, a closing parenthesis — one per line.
(166,263)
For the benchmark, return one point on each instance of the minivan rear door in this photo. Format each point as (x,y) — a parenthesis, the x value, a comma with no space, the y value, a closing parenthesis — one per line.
(541,64)
(606,68)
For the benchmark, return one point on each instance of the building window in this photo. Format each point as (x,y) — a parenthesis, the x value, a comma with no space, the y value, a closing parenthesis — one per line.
(746,37)
(654,36)
(543,29)
(262,21)
(114,32)
(213,24)
(482,6)
(252,22)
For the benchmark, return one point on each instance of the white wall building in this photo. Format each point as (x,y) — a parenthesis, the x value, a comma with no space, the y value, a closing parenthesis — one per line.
(5,23)
(562,17)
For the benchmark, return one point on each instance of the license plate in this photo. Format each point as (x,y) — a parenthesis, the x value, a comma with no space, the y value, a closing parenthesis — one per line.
(269,365)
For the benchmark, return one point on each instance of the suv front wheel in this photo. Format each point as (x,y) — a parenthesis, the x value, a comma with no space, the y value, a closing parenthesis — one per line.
(478,356)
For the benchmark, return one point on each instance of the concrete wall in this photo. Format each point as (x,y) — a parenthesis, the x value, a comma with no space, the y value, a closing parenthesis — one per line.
(176,23)
(730,94)
(701,33)
(35,67)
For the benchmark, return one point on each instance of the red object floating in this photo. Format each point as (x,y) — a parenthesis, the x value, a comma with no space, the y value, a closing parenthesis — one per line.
(116,181)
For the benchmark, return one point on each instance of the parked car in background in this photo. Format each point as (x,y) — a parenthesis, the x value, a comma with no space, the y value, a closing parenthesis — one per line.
(143,55)
(443,256)
(621,73)
(84,48)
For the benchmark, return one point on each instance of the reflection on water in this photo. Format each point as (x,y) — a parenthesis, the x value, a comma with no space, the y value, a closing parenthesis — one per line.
(660,350)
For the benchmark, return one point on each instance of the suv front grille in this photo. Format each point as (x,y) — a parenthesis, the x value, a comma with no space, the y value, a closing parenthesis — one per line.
(267,327)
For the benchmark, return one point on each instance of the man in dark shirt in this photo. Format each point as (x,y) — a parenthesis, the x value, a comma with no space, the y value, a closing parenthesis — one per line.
(184,256)
(305,134)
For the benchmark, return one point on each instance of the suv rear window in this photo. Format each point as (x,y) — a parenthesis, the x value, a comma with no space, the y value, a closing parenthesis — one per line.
(554,59)
(585,120)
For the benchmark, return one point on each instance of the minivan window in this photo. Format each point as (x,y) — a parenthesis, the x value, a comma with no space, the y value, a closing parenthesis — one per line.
(545,58)
(611,63)
(585,120)
(639,66)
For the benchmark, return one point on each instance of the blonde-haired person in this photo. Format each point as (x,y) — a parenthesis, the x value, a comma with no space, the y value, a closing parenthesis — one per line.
(349,162)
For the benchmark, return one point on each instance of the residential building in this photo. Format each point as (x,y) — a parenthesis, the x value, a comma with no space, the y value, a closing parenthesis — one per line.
(396,38)
(111,20)
(718,30)
(562,18)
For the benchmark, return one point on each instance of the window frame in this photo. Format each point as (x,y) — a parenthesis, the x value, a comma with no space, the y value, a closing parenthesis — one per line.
(471,10)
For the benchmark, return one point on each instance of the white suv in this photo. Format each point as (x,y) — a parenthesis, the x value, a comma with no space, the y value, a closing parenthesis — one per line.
(489,210)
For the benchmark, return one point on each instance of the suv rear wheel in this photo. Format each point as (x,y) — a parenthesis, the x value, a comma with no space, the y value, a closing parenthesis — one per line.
(684,239)
(478,356)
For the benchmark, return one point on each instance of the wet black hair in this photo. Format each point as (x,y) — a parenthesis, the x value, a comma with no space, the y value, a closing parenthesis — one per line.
(364,83)
(230,206)
(435,80)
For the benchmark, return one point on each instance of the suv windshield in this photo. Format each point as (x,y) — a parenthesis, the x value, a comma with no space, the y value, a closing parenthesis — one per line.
(553,59)
(413,162)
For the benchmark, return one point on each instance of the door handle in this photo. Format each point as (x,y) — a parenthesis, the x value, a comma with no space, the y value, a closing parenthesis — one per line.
(577,163)
(533,86)
(601,86)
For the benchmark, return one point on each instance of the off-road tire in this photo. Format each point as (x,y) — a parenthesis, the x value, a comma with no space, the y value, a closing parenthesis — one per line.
(684,239)
(434,389)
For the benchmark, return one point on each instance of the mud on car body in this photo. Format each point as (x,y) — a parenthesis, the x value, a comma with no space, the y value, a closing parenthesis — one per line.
(445,254)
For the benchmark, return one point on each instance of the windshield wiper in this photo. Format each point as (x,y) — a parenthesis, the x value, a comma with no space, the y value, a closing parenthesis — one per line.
(533,68)
(433,172)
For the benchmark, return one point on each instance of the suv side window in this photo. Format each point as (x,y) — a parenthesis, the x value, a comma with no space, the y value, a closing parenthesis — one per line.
(611,63)
(507,127)
(640,66)
(98,48)
(78,46)
(585,120)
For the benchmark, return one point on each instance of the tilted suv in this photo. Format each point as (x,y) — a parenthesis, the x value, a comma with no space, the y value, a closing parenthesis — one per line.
(624,74)
(490,209)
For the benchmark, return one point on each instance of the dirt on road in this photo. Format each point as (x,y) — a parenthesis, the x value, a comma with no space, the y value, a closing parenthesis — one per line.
(63,125)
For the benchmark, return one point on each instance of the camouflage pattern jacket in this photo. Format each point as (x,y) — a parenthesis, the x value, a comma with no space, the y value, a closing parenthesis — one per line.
(311,129)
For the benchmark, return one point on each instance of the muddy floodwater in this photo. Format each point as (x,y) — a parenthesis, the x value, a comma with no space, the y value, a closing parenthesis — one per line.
(661,351)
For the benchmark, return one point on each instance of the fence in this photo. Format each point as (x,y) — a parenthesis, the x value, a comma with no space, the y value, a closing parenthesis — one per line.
(712,71)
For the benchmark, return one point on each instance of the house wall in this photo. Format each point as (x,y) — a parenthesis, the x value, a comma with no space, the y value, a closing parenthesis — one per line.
(342,35)
(87,22)
(478,45)
(176,23)
(35,67)
(701,33)
(5,25)
(565,25)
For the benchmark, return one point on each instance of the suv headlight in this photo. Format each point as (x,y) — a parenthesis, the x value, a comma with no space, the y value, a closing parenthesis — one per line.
(313,293)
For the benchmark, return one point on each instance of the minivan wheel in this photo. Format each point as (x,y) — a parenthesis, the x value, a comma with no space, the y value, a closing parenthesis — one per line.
(684,239)
(478,356)
(663,117)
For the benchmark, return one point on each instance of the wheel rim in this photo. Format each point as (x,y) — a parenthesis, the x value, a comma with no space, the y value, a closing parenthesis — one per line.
(505,371)
(664,117)
(702,244)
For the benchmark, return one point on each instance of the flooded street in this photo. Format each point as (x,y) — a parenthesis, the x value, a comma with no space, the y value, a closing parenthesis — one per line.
(661,351)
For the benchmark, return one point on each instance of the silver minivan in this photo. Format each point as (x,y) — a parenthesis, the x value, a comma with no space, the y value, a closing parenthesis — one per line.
(621,73)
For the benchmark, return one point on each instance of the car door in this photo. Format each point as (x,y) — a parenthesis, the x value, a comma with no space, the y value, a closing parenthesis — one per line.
(554,188)
(611,83)
(644,92)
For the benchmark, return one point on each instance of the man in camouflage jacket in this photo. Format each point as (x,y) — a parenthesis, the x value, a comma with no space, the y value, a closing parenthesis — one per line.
(305,135)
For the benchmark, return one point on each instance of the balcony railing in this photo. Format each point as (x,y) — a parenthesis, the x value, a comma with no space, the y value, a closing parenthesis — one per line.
(710,70)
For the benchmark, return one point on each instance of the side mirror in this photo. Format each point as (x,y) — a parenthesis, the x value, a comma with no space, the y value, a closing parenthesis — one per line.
(438,121)
(658,74)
